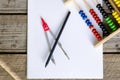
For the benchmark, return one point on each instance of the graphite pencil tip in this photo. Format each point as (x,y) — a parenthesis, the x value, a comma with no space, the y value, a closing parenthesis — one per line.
(46,65)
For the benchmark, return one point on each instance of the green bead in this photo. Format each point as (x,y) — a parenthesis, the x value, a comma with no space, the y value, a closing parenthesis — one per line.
(108,18)
(111,24)
(114,27)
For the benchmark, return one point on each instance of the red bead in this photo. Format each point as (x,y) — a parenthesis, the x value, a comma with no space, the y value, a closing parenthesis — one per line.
(91,10)
(93,13)
(95,16)
(91,27)
(93,30)
(98,20)
(97,35)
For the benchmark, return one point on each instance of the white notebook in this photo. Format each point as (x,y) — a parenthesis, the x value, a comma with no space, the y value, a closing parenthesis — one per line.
(85,62)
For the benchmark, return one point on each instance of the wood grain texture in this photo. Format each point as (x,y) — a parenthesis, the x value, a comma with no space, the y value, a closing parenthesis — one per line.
(13,31)
(17,63)
(13,6)
(13,28)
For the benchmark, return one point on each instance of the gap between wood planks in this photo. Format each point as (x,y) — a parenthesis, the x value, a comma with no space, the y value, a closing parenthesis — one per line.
(13,13)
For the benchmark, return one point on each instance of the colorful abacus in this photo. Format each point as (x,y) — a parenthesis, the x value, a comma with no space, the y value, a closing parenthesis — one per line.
(115,14)
(98,20)
(117,2)
(114,29)
(87,21)
(109,21)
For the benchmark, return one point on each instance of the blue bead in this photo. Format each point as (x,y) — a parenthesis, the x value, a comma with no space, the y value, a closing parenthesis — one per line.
(81,11)
(88,22)
(83,15)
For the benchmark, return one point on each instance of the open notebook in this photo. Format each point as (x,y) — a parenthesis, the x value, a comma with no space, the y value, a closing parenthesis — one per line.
(77,40)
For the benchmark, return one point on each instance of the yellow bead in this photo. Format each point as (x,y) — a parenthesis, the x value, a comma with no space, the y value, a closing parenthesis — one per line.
(118,19)
(117,2)
(116,15)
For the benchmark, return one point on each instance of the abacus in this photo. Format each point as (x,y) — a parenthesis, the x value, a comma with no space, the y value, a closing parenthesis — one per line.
(88,22)
(109,31)
(105,15)
(115,14)
(98,20)
(115,30)
(117,2)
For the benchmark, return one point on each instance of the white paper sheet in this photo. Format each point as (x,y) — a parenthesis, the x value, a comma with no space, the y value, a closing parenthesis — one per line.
(77,40)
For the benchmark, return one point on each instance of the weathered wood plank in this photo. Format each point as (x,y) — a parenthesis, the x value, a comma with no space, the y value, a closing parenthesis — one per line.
(19,6)
(13,6)
(13,28)
(13,31)
(113,45)
(16,63)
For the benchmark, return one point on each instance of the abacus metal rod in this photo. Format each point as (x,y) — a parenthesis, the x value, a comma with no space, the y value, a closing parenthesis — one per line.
(76,5)
(88,6)
(95,2)
(66,2)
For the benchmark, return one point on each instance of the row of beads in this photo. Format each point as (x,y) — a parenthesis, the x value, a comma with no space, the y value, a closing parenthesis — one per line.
(87,21)
(117,2)
(115,14)
(109,5)
(109,21)
(99,22)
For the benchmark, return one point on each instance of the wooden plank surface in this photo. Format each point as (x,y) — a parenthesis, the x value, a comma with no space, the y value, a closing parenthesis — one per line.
(17,63)
(13,31)
(13,28)
(13,6)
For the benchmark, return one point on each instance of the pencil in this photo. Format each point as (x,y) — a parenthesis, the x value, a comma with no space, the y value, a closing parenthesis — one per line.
(57,39)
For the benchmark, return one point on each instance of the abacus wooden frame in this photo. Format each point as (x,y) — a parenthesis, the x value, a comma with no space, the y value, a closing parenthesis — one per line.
(112,34)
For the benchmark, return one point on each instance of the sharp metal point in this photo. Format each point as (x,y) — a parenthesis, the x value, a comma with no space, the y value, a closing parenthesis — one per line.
(41,17)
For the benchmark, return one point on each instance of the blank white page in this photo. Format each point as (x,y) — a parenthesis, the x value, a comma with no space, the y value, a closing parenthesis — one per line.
(85,62)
